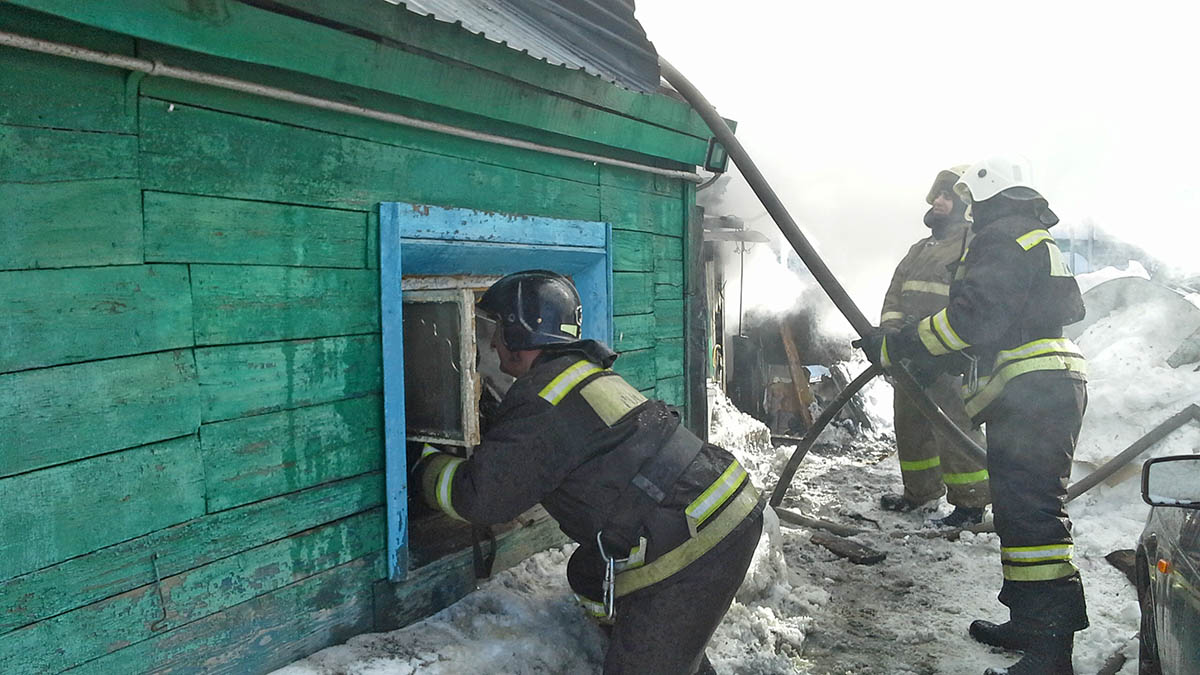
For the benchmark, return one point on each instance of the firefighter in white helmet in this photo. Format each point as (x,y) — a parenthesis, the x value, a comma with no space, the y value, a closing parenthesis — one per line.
(930,463)
(1009,301)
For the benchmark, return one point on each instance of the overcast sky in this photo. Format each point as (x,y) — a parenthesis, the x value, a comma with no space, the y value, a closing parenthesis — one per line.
(850,109)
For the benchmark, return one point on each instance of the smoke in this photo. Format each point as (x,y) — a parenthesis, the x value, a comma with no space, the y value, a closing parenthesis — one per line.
(850,110)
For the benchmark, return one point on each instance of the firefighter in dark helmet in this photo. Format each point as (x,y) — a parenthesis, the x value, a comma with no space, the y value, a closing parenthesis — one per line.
(666,524)
(1009,301)
(930,463)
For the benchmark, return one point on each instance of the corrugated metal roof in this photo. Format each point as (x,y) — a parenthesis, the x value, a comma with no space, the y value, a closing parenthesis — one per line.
(600,37)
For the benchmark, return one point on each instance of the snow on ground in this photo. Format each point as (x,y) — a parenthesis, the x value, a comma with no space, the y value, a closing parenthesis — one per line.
(804,610)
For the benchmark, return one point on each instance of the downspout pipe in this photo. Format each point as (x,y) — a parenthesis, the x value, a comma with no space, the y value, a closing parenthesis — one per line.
(833,288)
(160,69)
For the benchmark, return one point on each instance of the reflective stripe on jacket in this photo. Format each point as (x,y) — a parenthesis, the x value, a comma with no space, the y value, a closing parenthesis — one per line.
(1012,295)
(572,436)
(921,283)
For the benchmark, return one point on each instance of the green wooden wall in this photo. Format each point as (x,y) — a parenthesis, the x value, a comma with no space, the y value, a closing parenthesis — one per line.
(190,371)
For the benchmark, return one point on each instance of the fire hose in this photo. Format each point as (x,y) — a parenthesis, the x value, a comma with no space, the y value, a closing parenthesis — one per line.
(828,282)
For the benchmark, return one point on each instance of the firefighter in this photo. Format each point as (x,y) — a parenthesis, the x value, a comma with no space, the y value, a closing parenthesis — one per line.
(930,463)
(1009,301)
(666,524)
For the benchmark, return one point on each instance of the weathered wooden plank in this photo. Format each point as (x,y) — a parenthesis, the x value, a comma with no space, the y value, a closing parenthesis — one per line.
(373,239)
(634,331)
(263,456)
(70,224)
(194,229)
(669,281)
(633,293)
(263,634)
(256,304)
(36,155)
(632,251)
(433,222)
(112,498)
(368,129)
(55,415)
(90,632)
(234,30)
(847,548)
(191,150)
(242,380)
(71,315)
(638,368)
(668,249)
(631,179)
(50,91)
(435,586)
(672,391)
(641,211)
(446,40)
(668,318)
(121,567)
(668,357)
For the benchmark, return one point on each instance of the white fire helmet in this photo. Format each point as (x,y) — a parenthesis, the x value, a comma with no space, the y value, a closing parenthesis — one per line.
(986,179)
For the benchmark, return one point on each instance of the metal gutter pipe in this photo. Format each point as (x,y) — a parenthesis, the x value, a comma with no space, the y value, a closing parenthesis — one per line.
(841,299)
(160,69)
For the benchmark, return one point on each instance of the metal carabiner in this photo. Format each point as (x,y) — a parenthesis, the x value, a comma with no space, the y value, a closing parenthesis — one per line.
(610,579)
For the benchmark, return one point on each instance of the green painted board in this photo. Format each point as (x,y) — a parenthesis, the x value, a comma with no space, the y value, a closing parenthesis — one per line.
(54,415)
(263,456)
(668,319)
(50,91)
(668,358)
(241,380)
(432,587)
(122,567)
(235,304)
(236,31)
(668,249)
(72,315)
(70,224)
(201,151)
(641,211)
(638,368)
(632,251)
(194,229)
(379,131)
(113,497)
(671,390)
(632,179)
(113,624)
(634,331)
(35,155)
(668,281)
(633,293)
(263,634)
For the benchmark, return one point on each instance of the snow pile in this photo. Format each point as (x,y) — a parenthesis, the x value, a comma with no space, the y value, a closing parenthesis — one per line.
(1092,279)
(803,609)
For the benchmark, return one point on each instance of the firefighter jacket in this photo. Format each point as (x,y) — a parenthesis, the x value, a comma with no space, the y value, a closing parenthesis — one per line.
(921,283)
(577,438)
(1009,301)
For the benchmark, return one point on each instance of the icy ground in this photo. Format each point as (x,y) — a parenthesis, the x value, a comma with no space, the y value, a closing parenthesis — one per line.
(804,610)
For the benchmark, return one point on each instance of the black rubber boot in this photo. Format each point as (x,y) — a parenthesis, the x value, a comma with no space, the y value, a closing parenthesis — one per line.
(1045,654)
(897,503)
(961,516)
(1003,635)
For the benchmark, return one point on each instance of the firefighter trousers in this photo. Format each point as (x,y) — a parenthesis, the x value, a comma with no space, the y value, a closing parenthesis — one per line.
(663,629)
(931,463)
(1031,433)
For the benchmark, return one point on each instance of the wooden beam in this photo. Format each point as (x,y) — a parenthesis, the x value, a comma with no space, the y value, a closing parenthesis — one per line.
(796,367)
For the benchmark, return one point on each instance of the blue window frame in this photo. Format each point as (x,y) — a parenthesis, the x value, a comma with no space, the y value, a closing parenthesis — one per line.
(431,240)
